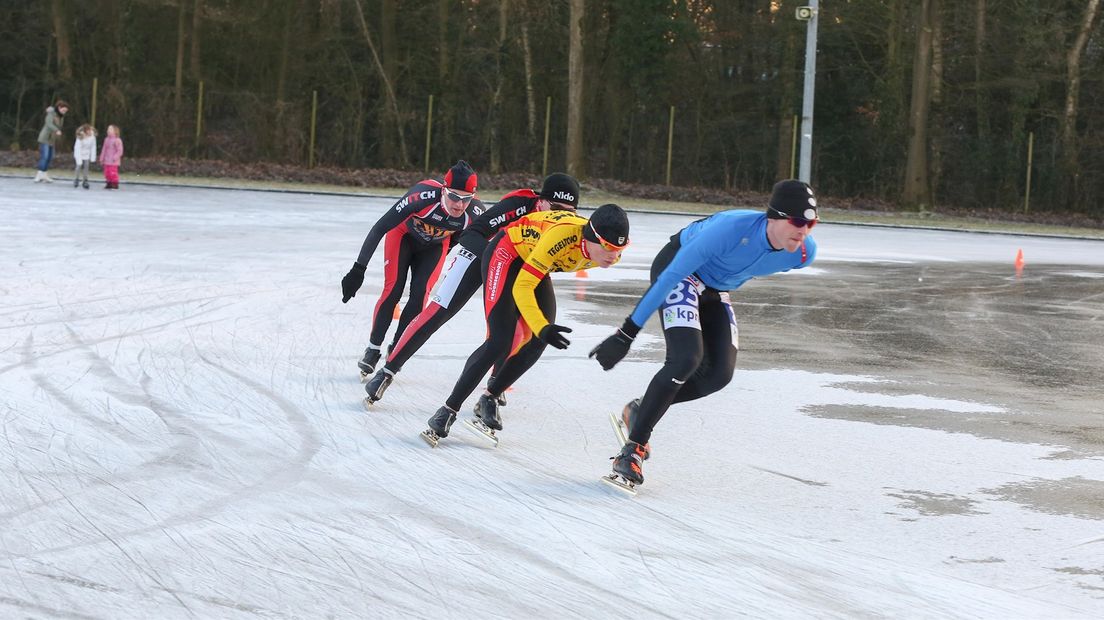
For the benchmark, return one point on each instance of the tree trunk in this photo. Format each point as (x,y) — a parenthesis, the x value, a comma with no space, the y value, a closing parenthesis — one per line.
(530,94)
(285,50)
(1073,94)
(181,34)
(786,155)
(917,190)
(61,34)
(935,116)
(197,19)
(496,99)
(442,40)
(389,55)
(576,151)
(391,103)
(980,100)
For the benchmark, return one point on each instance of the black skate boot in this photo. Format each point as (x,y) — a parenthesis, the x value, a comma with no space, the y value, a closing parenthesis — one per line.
(76,183)
(486,410)
(628,416)
(628,463)
(439,425)
(501,399)
(378,384)
(85,184)
(367,364)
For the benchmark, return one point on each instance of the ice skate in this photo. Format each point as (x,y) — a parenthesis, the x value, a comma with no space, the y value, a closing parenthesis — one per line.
(46,177)
(85,184)
(76,183)
(367,364)
(38,176)
(627,472)
(622,425)
(378,384)
(486,410)
(439,425)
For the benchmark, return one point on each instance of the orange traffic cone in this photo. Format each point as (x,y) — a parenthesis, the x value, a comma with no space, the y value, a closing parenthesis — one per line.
(582,273)
(1019,262)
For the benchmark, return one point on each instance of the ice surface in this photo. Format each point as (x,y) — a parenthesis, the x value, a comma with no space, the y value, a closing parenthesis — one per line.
(183,436)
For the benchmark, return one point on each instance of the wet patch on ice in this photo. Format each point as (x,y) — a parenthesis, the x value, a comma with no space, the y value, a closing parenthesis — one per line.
(1075,496)
(932,504)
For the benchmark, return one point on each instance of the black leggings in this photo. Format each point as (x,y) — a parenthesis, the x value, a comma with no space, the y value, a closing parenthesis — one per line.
(401,255)
(503,322)
(698,362)
(431,319)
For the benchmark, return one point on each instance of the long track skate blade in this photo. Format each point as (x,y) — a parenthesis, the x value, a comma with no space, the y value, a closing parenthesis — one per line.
(430,437)
(367,402)
(364,376)
(620,484)
(479,428)
(618,429)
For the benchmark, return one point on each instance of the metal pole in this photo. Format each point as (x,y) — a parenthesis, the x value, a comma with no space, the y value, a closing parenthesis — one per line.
(1030,153)
(314,117)
(670,141)
(429,132)
(805,171)
(95,89)
(199,114)
(547,125)
(793,147)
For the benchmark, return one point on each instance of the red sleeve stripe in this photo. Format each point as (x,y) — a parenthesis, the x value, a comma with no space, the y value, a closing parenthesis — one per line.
(533,270)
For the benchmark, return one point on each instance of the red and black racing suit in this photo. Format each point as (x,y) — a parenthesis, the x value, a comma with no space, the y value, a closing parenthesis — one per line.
(415,232)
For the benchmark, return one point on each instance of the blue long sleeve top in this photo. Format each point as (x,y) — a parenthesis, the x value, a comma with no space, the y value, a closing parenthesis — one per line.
(724,251)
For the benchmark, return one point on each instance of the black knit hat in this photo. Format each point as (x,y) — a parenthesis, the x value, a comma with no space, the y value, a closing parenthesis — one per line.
(792,198)
(610,223)
(562,188)
(461,177)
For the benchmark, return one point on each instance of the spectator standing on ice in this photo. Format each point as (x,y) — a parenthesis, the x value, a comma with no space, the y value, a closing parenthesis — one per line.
(48,139)
(111,156)
(84,153)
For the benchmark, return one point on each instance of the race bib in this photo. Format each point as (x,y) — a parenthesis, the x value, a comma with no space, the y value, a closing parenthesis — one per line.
(680,309)
(457,263)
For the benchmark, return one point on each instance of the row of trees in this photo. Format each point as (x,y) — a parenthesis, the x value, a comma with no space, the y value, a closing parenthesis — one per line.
(918,101)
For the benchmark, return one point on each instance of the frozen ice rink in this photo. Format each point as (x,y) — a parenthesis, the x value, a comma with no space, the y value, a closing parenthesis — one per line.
(913,431)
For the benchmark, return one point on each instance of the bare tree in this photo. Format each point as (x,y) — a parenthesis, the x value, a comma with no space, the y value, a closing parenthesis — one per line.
(61,35)
(1073,90)
(391,120)
(197,20)
(500,78)
(917,190)
(576,159)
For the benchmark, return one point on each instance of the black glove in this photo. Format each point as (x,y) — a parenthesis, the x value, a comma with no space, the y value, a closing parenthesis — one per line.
(554,335)
(613,349)
(350,284)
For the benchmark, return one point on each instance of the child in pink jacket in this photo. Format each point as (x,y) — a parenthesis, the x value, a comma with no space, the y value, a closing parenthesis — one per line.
(110,156)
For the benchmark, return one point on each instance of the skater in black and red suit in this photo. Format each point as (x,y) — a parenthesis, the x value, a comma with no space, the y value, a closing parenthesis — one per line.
(415,234)
(462,276)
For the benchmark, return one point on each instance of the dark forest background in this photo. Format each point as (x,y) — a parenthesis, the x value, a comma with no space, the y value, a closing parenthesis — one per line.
(918,102)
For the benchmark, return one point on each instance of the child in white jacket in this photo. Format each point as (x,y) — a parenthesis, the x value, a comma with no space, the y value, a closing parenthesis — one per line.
(84,152)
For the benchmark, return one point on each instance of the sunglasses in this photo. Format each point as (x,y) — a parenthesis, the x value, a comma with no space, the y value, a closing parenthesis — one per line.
(612,247)
(798,222)
(457,197)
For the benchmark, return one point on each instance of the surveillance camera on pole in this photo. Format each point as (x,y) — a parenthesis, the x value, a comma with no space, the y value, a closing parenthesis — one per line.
(805,13)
